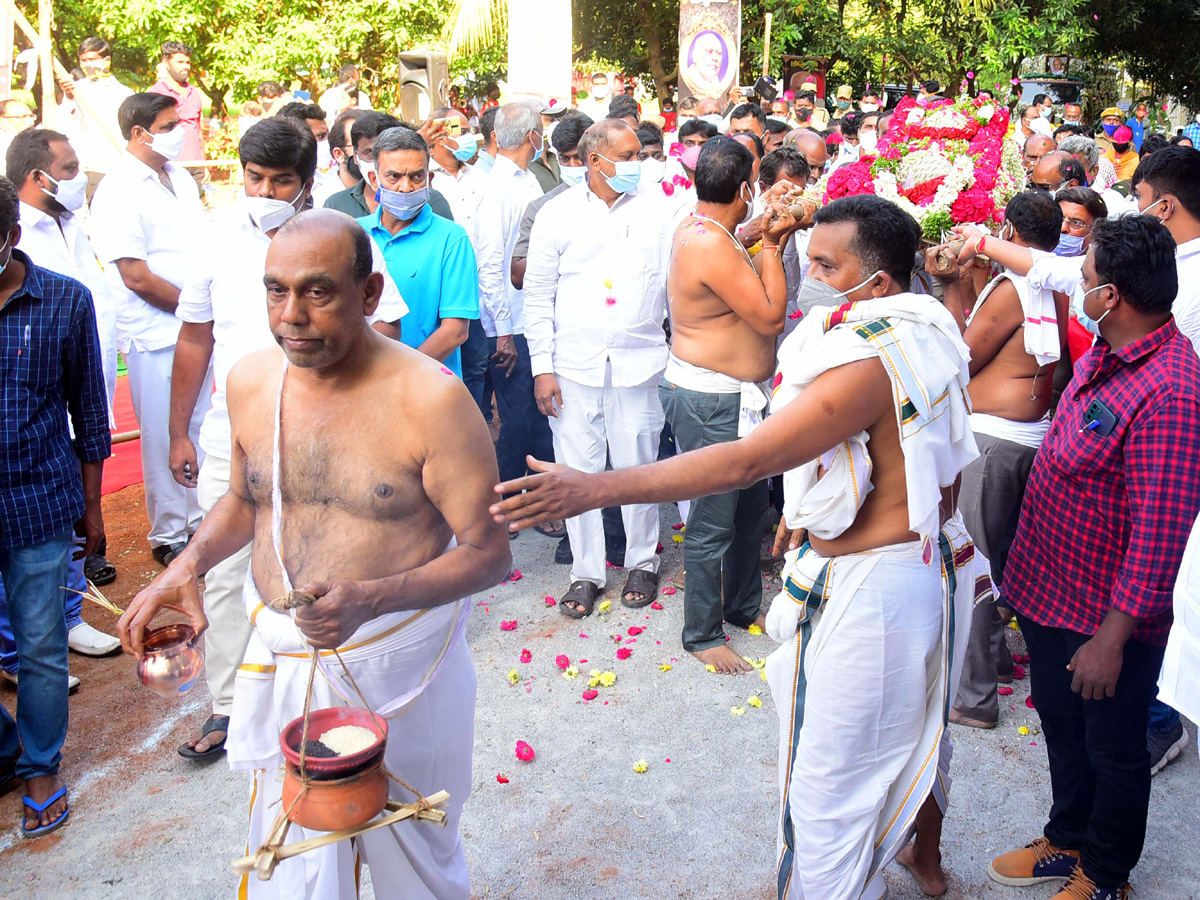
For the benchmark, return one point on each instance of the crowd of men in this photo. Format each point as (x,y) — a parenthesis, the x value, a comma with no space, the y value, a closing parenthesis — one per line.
(630,299)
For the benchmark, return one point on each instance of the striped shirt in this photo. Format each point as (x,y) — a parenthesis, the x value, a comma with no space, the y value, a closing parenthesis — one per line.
(50,363)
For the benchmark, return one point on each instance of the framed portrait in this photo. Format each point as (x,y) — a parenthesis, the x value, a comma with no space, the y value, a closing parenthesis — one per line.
(709,40)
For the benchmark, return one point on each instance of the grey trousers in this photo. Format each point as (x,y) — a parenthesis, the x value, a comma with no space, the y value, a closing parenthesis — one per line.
(990,499)
(724,531)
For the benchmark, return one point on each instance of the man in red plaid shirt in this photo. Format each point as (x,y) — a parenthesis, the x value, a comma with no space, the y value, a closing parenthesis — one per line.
(1111,499)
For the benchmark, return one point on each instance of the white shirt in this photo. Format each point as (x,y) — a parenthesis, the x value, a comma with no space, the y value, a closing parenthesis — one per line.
(510,189)
(1179,684)
(224,286)
(67,251)
(325,185)
(97,152)
(1186,307)
(462,191)
(135,216)
(609,267)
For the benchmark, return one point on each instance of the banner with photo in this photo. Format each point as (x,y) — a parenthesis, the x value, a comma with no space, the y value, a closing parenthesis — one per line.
(710,38)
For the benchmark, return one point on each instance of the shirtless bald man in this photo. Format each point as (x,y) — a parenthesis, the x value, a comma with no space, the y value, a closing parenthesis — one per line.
(378,507)
(726,311)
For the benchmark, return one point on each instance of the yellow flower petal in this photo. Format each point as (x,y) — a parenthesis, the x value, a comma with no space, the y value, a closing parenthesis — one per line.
(1012,626)
(595,673)
(641,766)
(665,667)
(677,538)
(608,284)
(571,672)
(764,675)
(759,663)
(1022,730)
(755,702)
(608,679)
(754,629)
(605,606)
(594,681)
(710,667)
(514,676)
(738,710)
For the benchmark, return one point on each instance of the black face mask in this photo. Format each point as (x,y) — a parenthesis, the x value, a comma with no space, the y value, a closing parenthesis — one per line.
(351,165)
(1121,148)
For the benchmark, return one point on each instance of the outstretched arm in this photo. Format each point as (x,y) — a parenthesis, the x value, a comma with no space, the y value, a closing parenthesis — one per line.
(836,406)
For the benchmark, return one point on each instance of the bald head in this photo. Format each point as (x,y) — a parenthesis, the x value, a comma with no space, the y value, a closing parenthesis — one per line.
(708,107)
(812,146)
(1035,148)
(602,135)
(322,225)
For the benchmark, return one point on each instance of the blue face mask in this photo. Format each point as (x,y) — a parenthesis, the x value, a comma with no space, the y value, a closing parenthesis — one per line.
(626,176)
(468,144)
(1069,245)
(403,206)
(485,161)
(1092,325)
(537,150)
(572,175)
(1109,129)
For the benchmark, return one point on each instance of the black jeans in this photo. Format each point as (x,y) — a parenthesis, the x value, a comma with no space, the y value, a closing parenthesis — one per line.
(1099,765)
(724,531)
(523,430)
(475,369)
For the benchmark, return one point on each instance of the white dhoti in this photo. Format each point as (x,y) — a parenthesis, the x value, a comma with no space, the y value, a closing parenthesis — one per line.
(415,671)
(872,642)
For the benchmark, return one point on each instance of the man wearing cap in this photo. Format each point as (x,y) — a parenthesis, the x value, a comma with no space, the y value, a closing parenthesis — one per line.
(845,98)
(1121,152)
(551,113)
(1110,121)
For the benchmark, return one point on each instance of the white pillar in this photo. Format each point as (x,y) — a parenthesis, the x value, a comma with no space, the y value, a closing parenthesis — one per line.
(539,49)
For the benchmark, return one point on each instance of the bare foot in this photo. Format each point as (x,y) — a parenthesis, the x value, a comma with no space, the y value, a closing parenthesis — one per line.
(723,660)
(38,789)
(927,873)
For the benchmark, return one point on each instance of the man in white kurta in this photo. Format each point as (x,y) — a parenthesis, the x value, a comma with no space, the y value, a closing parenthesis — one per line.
(145,216)
(222,323)
(595,298)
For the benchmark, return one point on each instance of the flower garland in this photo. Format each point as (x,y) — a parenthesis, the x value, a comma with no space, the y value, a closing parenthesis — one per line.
(943,163)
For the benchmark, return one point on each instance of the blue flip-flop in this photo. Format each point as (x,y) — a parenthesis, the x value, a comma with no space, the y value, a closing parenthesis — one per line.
(40,808)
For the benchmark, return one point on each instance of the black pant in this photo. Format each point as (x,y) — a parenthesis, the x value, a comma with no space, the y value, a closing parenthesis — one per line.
(523,429)
(1099,765)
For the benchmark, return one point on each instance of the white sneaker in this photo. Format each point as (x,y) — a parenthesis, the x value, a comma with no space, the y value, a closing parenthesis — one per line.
(72,681)
(85,639)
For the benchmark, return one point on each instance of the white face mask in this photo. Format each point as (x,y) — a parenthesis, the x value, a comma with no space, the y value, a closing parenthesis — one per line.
(573,175)
(70,192)
(269,213)
(1146,211)
(818,293)
(749,201)
(168,144)
(869,141)
(869,107)
(324,157)
(653,170)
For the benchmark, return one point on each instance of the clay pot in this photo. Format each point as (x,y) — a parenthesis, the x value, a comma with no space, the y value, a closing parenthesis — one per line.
(171,662)
(323,720)
(337,804)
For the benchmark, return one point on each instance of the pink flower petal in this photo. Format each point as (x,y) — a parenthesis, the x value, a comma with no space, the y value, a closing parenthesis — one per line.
(624,653)
(509,626)
(526,656)
(1018,672)
(656,605)
(677,526)
(1004,691)
(583,662)
(562,661)
(502,779)
(669,591)
(590,694)
(1029,702)
(524,752)
(582,635)
(550,601)
(635,630)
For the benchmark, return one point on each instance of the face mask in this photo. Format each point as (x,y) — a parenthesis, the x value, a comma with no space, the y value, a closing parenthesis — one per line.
(748,215)
(1146,211)
(1121,148)
(1070,245)
(573,175)
(818,293)
(4,265)
(324,157)
(1109,129)
(869,107)
(95,71)
(404,206)
(350,164)
(1092,325)
(653,170)
(843,104)
(468,144)
(625,176)
(269,213)
(1067,121)
(168,144)
(713,119)
(690,157)
(485,161)
(803,114)
(599,91)
(869,141)
(537,149)
(1046,111)
(70,192)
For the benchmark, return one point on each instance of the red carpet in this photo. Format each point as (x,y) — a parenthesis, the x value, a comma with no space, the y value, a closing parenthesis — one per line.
(124,467)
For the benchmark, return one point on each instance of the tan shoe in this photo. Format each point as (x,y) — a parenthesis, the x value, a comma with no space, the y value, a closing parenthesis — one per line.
(957,718)
(1035,863)
(1080,887)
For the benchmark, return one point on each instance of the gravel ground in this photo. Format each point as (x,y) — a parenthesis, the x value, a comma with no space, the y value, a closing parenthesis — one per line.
(577,821)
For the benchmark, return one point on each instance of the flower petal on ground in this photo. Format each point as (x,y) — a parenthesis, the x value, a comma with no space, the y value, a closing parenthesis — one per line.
(605,606)
(590,694)
(524,752)
(641,766)
(608,679)
(738,710)
(624,653)
(526,656)
(755,702)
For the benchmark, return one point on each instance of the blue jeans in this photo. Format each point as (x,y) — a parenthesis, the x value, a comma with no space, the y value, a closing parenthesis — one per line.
(475,371)
(1162,717)
(33,578)
(523,430)
(72,606)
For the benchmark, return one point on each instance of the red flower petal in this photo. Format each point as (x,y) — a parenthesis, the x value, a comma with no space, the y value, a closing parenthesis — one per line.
(590,694)
(668,591)
(524,752)
(562,661)
(526,656)
(624,653)
(1029,703)
(502,779)
(509,626)
(635,630)
(1018,672)
(1004,690)
(550,601)
(656,605)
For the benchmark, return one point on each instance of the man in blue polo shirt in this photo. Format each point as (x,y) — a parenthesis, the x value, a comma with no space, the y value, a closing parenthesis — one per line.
(430,258)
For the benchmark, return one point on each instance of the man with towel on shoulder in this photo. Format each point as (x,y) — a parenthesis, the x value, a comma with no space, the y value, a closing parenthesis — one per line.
(384,519)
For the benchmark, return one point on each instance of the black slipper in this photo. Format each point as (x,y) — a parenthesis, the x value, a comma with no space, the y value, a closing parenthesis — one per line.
(214,723)
(583,594)
(640,582)
(99,570)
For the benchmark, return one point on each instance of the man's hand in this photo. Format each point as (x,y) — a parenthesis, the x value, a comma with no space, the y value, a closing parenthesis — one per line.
(945,255)
(1097,666)
(752,233)
(506,354)
(431,133)
(786,539)
(970,235)
(777,224)
(68,86)
(91,529)
(175,588)
(559,493)
(183,463)
(547,394)
(341,607)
